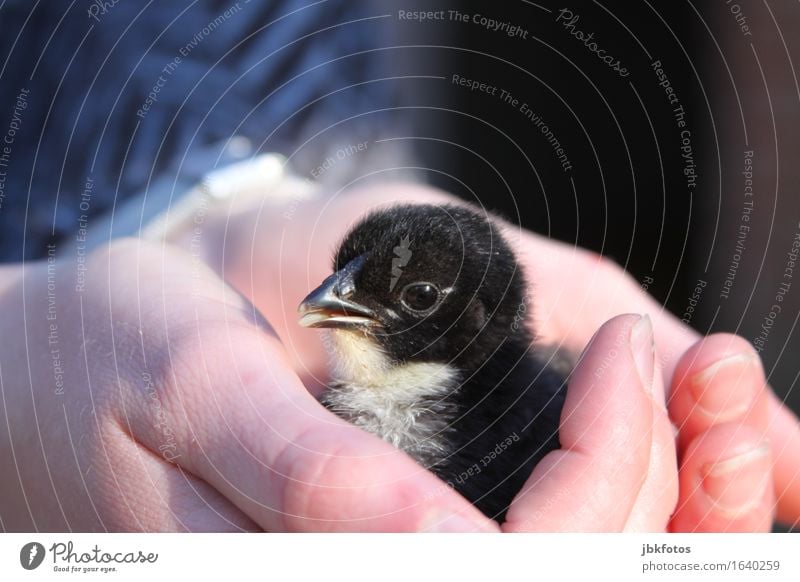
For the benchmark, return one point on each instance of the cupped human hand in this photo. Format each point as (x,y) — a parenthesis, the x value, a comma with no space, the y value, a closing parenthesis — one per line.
(740,447)
(275,257)
(151,396)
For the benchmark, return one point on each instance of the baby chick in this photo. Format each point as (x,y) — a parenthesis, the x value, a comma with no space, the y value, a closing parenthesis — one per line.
(432,352)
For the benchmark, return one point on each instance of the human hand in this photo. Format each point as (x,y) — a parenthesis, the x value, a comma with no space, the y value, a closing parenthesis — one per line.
(740,447)
(156,399)
(720,369)
(275,258)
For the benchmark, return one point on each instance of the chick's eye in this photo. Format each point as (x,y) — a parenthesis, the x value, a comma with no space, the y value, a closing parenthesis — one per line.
(419,296)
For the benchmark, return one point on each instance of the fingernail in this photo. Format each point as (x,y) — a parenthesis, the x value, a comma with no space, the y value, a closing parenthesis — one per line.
(643,350)
(737,484)
(726,389)
(454,523)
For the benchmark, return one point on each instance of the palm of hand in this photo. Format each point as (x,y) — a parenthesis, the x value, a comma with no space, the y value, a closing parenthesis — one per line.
(637,470)
(606,478)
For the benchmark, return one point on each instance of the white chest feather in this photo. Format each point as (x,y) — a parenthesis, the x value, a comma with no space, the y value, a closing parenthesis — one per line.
(403,404)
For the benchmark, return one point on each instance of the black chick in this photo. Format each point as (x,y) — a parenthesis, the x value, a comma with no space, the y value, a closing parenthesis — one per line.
(432,353)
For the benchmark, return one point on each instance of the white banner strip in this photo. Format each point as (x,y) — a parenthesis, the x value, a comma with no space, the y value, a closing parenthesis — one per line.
(401,557)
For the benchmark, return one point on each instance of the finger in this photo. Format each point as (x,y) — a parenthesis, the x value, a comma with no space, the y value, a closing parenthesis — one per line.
(783,432)
(721,379)
(726,482)
(255,434)
(217,395)
(593,481)
(659,495)
(140,490)
(718,380)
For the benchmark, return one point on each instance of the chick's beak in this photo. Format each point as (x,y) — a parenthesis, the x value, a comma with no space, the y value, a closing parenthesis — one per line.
(328,305)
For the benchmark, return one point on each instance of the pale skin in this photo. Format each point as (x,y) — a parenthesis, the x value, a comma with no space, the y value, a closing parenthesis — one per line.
(182,409)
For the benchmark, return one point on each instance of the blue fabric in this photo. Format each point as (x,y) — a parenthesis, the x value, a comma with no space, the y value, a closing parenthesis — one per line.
(88,68)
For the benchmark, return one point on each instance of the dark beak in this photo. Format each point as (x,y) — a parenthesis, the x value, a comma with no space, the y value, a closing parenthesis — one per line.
(328,305)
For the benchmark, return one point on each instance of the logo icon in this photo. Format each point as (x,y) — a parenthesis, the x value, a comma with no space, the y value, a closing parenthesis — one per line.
(31,555)
(402,254)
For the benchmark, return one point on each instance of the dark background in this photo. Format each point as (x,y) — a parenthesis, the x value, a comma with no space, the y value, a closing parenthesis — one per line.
(626,195)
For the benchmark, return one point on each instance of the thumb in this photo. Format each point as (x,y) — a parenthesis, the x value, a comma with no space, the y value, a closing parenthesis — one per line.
(594,480)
